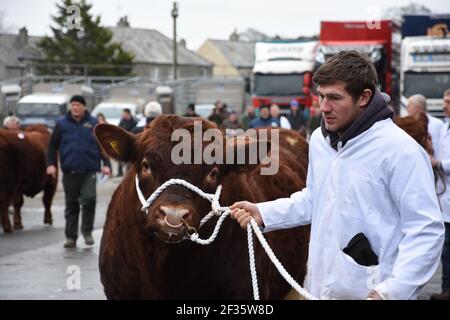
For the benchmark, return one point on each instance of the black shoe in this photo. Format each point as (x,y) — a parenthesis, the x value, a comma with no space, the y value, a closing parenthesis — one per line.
(444,295)
(70,243)
(89,240)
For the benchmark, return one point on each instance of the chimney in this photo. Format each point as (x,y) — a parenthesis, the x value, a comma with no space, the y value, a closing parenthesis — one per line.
(234,36)
(182,43)
(23,36)
(123,22)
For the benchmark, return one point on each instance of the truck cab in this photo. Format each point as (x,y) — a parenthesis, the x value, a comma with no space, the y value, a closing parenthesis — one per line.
(377,42)
(425,69)
(283,72)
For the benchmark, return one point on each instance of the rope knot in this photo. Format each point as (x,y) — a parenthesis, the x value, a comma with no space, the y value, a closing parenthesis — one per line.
(194,237)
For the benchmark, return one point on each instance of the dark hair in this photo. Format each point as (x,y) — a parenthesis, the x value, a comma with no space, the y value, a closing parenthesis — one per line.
(354,69)
(191,106)
(127,110)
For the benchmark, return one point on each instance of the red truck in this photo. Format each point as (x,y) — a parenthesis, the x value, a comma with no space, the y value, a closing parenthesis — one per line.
(374,39)
(282,73)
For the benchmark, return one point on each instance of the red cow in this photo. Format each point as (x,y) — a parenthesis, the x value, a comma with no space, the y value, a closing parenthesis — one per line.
(23,163)
(137,261)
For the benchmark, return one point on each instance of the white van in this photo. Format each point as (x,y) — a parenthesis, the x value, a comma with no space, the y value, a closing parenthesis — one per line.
(42,108)
(113,111)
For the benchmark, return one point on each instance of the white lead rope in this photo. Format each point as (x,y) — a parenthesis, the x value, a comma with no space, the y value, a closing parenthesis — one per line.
(223,212)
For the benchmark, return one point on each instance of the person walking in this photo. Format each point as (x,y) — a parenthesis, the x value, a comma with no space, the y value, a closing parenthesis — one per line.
(80,159)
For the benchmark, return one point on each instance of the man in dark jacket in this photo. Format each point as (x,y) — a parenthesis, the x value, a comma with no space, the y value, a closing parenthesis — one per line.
(127,121)
(296,117)
(264,120)
(80,158)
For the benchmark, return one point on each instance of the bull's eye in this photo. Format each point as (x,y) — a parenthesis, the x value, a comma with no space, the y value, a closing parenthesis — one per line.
(145,165)
(213,174)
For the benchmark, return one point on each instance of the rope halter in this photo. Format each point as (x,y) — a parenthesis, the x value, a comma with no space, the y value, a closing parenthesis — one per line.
(223,212)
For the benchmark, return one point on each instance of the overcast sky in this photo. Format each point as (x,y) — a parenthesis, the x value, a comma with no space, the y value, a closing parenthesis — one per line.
(202,19)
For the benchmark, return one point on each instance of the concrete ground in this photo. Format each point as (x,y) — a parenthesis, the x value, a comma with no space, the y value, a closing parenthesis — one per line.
(33,262)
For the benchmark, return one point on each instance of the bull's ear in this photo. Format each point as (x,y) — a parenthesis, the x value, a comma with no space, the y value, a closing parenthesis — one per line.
(116,142)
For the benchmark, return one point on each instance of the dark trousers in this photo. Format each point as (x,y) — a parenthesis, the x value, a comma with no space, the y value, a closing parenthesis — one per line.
(446,259)
(79,189)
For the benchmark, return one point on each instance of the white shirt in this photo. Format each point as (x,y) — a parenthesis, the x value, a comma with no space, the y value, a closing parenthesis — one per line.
(380,183)
(284,123)
(434,129)
(442,153)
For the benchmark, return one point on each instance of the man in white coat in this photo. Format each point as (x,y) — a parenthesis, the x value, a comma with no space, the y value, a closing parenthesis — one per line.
(416,104)
(376,227)
(442,162)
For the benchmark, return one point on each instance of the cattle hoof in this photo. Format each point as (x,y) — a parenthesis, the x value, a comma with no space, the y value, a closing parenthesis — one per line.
(7,230)
(48,221)
(18,226)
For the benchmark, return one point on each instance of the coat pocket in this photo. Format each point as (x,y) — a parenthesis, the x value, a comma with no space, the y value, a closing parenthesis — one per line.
(348,280)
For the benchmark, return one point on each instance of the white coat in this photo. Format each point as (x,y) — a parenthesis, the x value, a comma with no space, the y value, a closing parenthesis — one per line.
(442,153)
(434,129)
(380,183)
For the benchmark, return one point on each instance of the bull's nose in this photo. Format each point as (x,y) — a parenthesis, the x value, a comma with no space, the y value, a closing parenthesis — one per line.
(174,215)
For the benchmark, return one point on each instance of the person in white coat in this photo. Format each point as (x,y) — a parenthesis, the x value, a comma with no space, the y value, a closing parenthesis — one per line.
(441,162)
(376,226)
(416,104)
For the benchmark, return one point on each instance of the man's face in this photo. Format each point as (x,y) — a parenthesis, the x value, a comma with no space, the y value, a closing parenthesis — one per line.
(274,112)
(413,109)
(264,113)
(447,105)
(232,117)
(125,115)
(77,109)
(13,125)
(338,108)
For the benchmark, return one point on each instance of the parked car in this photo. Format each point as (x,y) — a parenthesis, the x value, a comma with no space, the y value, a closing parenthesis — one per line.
(204,110)
(113,111)
(42,108)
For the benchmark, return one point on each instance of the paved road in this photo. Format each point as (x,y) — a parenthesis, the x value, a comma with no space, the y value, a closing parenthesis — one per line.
(34,264)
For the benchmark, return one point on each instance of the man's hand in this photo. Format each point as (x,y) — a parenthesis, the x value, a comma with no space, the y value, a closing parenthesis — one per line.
(434,162)
(51,170)
(373,295)
(106,170)
(243,211)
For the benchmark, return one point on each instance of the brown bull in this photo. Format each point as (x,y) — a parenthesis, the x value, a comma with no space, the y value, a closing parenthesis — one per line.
(140,257)
(23,165)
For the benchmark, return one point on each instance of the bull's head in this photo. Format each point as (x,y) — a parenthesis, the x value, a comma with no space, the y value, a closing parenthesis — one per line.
(151,157)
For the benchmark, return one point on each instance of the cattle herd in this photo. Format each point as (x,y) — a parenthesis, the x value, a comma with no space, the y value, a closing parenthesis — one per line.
(145,256)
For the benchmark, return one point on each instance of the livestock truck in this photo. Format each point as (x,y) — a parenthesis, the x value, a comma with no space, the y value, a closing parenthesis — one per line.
(283,72)
(425,60)
(377,40)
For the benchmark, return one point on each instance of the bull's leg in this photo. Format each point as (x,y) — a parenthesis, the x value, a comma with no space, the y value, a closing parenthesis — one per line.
(49,192)
(17,203)
(4,204)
